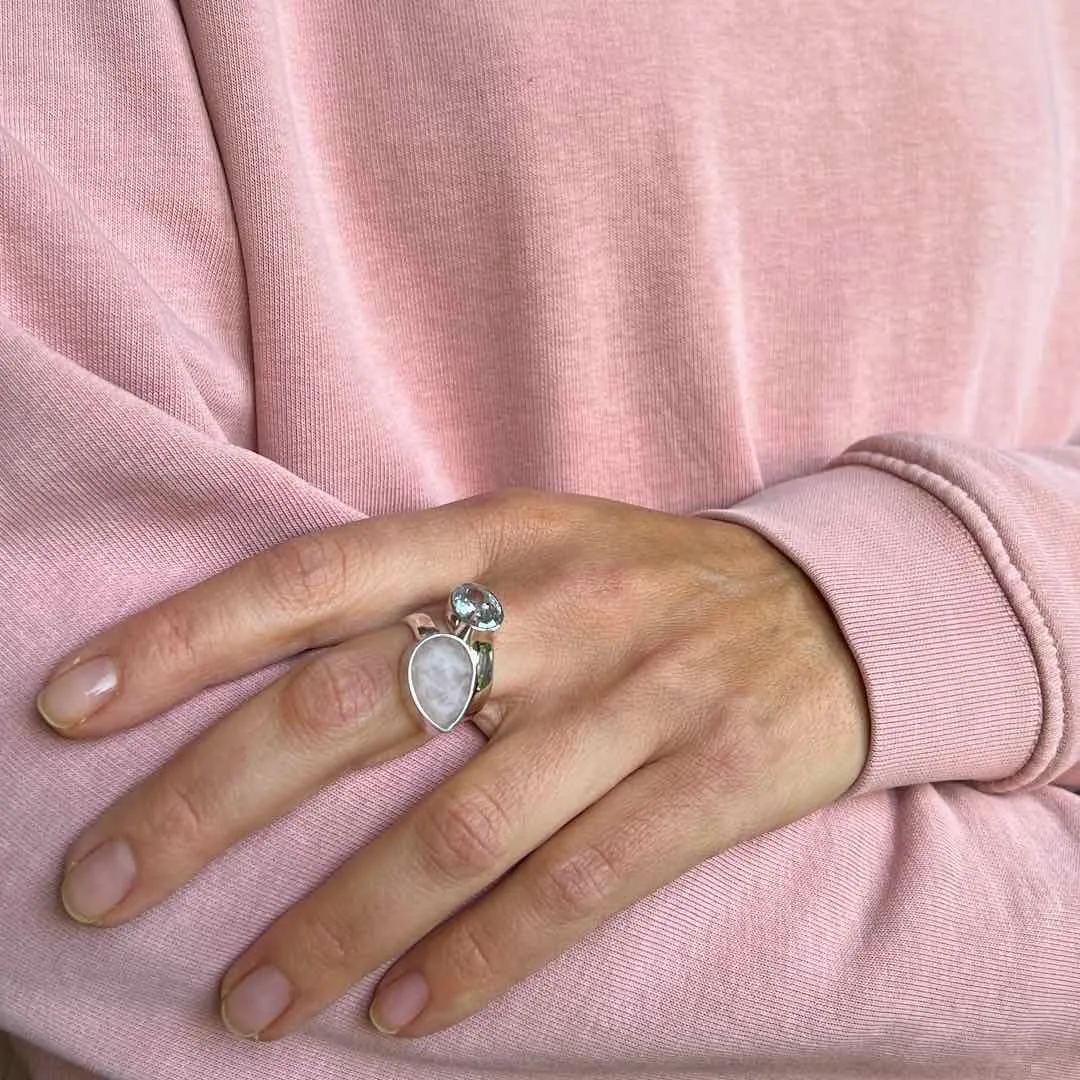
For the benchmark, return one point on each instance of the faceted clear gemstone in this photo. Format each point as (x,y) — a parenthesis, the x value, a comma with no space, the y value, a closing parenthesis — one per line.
(476,607)
(441,678)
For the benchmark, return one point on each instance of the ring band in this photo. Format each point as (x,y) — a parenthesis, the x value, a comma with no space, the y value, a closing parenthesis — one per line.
(447,673)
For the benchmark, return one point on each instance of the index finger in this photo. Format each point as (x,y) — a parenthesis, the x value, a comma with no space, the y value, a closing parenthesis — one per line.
(310,591)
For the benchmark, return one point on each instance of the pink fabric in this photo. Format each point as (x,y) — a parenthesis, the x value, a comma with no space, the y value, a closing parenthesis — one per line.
(271,266)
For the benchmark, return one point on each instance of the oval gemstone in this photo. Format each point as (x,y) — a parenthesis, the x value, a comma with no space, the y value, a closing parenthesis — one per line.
(475,606)
(442,676)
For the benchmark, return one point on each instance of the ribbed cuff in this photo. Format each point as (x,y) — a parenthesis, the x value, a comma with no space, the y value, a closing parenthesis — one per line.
(950,677)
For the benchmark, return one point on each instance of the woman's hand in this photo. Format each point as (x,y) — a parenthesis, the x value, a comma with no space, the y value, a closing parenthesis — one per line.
(665,687)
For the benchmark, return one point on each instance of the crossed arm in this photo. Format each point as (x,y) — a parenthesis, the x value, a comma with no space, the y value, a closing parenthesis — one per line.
(947,910)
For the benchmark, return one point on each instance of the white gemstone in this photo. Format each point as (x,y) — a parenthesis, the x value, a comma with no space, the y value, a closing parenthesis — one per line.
(441,677)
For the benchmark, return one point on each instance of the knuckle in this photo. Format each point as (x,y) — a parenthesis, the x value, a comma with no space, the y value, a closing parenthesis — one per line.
(326,943)
(309,573)
(507,500)
(580,886)
(329,698)
(172,639)
(513,520)
(464,836)
(468,956)
(742,750)
(177,819)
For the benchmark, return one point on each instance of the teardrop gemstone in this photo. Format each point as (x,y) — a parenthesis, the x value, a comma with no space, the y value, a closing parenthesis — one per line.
(441,677)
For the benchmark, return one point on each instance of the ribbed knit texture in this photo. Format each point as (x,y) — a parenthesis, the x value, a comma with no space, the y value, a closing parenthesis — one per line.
(271,266)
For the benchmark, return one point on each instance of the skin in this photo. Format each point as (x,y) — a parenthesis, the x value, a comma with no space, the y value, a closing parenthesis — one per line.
(702,695)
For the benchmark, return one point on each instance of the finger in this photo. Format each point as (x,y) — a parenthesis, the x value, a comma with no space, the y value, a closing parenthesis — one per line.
(305,593)
(639,837)
(340,710)
(456,842)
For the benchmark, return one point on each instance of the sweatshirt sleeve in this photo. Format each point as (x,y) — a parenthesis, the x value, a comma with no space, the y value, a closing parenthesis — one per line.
(952,571)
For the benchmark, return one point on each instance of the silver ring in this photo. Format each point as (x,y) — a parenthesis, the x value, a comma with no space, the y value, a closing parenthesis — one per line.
(447,673)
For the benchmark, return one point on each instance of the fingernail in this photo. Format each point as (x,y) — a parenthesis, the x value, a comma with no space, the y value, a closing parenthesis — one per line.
(70,698)
(256,1001)
(399,1003)
(96,884)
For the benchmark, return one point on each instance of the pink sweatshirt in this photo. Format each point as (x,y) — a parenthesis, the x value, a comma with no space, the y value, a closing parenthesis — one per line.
(271,266)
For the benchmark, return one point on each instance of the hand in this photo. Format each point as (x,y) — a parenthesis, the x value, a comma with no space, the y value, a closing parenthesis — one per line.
(665,687)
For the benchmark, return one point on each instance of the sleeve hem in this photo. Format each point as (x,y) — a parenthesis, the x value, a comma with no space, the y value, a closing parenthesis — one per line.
(1042,763)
